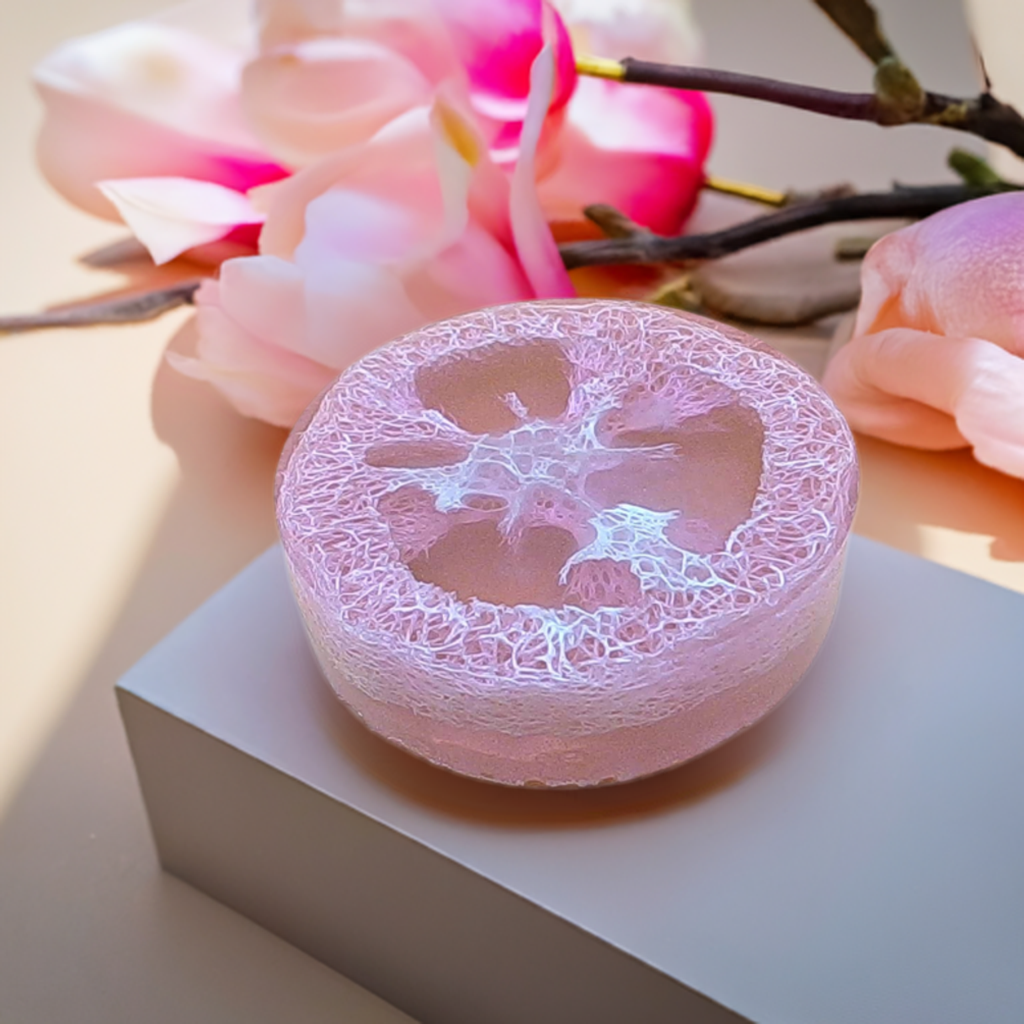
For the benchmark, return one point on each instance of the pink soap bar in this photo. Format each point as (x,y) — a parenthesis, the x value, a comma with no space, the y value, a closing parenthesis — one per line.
(567,543)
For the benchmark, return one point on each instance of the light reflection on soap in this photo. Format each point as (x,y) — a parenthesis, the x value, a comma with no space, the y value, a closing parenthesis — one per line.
(567,543)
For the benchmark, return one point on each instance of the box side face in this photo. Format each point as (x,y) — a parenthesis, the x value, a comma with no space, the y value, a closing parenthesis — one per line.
(856,855)
(423,931)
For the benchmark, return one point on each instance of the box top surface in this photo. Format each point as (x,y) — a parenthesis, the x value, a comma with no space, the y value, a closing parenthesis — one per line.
(854,856)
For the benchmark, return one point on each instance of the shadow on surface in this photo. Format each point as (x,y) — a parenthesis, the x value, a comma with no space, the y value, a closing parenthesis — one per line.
(505,806)
(92,931)
(903,489)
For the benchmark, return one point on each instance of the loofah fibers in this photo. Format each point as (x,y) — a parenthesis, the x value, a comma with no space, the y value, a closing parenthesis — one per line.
(567,543)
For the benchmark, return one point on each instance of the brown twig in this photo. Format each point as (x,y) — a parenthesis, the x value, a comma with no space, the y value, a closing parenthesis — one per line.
(127,310)
(614,223)
(983,115)
(642,247)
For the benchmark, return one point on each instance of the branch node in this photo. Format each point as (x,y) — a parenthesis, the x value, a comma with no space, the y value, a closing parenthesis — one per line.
(898,94)
(614,223)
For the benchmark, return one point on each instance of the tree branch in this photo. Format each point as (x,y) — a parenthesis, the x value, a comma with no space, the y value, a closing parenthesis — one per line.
(641,247)
(129,309)
(983,115)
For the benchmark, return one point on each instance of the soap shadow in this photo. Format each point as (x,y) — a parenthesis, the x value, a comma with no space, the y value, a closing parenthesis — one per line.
(481,802)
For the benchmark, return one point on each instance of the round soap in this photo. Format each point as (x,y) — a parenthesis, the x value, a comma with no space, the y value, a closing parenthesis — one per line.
(567,543)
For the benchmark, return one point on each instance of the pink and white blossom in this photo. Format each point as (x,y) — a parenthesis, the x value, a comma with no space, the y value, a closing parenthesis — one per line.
(207,93)
(384,164)
(639,148)
(937,356)
(415,225)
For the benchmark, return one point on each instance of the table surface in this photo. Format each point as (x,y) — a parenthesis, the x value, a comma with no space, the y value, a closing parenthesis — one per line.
(130,494)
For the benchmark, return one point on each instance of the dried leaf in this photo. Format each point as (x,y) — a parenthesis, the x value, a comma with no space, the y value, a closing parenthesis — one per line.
(859,22)
(783,309)
(679,293)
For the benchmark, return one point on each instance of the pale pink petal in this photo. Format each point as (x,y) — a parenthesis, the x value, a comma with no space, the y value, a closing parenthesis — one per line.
(657,30)
(930,391)
(265,296)
(259,378)
(323,94)
(353,308)
(352,305)
(159,73)
(463,171)
(498,43)
(144,99)
(959,272)
(535,245)
(389,185)
(359,226)
(172,215)
(459,138)
(883,275)
(638,148)
(410,28)
(476,271)
(321,308)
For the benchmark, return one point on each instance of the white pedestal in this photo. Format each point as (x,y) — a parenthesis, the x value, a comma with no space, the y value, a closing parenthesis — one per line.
(858,856)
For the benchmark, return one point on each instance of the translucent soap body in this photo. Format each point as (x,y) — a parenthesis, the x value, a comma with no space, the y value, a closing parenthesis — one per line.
(567,543)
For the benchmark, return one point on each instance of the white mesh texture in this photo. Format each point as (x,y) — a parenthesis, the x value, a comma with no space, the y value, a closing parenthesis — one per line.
(651,627)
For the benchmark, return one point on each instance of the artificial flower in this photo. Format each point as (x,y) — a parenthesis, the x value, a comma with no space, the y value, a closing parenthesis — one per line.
(382,159)
(416,224)
(638,148)
(157,98)
(204,94)
(937,355)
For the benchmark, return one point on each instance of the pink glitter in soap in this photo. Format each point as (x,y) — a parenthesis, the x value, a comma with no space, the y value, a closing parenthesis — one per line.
(567,543)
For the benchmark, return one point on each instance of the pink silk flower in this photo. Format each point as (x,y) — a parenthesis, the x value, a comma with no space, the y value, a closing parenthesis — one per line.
(638,148)
(414,225)
(167,123)
(937,356)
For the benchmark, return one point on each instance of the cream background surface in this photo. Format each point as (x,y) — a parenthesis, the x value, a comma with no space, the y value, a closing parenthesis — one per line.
(129,494)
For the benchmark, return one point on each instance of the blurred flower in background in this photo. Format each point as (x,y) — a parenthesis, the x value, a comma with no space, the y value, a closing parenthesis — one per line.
(937,355)
(369,166)
(641,150)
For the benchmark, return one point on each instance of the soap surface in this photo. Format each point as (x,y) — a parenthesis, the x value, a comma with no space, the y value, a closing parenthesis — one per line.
(567,543)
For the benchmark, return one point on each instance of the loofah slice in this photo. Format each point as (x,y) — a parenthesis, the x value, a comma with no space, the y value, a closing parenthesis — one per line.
(567,543)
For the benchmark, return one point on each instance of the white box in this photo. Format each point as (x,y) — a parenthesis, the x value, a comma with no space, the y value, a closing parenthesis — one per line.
(858,856)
